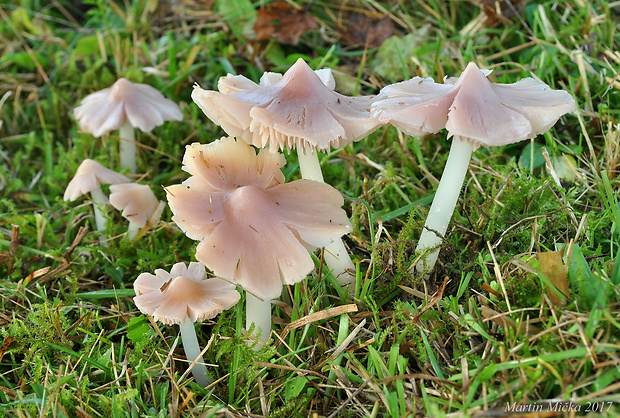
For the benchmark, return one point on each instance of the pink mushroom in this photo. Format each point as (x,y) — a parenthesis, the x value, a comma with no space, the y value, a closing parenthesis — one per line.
(296,110)
(475,112)
(88,179)
(138,205)
(253,228)
(185,296)
(125,106)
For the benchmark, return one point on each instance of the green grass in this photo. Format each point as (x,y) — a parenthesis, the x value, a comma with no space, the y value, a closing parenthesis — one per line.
(72,343)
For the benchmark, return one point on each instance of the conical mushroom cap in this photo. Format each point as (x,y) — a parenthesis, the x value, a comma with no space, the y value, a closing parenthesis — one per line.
(253,228)
(473,108)
(141,105)
(295,110)
(184,292)
(137,201)
(88,177)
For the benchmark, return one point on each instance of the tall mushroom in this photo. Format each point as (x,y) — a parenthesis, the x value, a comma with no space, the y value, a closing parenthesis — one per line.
(185,296)
(253,228)
(125,106)
(475,112)
(300,110)
(88,179)
(138,205)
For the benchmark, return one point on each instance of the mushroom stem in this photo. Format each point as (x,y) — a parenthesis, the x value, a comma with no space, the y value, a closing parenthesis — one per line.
(443,205)
(127,148)
(193,353)
(336,255)
(339,262)
(132,231)
(99,207)
(309,165)
(258,312)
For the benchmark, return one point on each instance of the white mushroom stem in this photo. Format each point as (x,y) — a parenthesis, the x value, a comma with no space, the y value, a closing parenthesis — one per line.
(336,255)
(443,205)
(127,148)
(132,230)
(100,201)
(193,353)
(258,313)
(309,165)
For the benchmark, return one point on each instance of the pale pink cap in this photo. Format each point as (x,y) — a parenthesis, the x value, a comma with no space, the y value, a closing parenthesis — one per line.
(184,292)
(298,110)
(253,228)
(471,107)
(141,105)
(89,176)
(136,201)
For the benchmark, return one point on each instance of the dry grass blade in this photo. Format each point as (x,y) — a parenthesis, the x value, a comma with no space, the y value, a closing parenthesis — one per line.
(434,300)
(420,376)
(318,316)
(501,319)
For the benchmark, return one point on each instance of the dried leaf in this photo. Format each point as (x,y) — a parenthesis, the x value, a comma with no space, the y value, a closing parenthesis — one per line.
(282,22)
(553,268)
(501,10)
(368,31)
(5,257)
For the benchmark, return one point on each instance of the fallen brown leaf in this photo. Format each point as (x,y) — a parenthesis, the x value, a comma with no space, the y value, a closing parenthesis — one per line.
(283,23)
(555,271)
(367,31)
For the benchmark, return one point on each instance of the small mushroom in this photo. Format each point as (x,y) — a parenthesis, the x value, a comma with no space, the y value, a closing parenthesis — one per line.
(253,228)
(88,179)
(185,296)
(125,106)
(138,205)
(475,112)
(299,110)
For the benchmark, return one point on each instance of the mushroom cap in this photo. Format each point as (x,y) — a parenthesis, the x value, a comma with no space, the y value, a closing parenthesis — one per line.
(253,228)
(136,201)
(184,292)
(296,110)
(141,105)
(88,177)
(417,106)
(473,108)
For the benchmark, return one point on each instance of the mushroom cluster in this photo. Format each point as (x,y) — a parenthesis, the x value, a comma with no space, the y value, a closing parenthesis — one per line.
(256,231)
(123,106)
(88,178)
(136,201)
(253,228)
(297,110)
